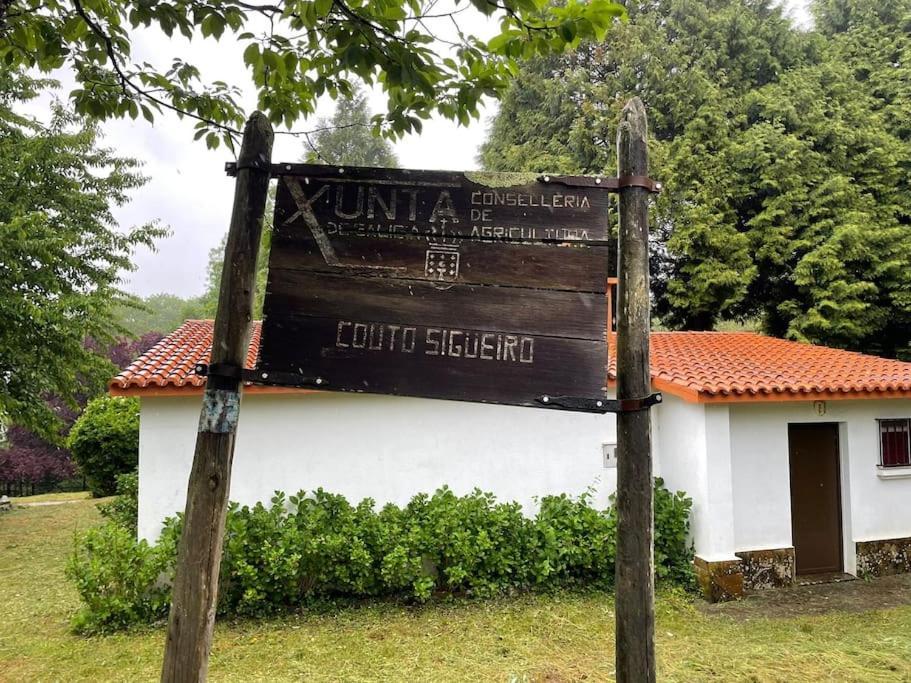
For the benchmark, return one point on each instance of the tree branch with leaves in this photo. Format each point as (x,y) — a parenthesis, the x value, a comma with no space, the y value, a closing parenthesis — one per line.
(62,255)
(294,52)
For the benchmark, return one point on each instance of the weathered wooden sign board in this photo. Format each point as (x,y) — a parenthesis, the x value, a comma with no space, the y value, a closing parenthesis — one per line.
(481,287)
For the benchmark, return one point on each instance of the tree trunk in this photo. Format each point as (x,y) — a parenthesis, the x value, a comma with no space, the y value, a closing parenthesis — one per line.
(635,613)
(195,591)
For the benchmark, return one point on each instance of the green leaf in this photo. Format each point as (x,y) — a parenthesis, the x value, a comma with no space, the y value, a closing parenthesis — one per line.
(252,56)
(213,25)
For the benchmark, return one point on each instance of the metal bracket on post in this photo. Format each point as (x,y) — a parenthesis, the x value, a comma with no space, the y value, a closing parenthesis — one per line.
(600,405)
(225,370)
(232,167)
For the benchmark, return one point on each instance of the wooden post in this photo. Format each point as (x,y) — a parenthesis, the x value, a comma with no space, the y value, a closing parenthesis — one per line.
(635,620)
(195,591)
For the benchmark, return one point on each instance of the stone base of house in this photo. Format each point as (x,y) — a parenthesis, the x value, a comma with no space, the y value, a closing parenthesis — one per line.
(719,581)
(884,558)
(752,570)
(773,568)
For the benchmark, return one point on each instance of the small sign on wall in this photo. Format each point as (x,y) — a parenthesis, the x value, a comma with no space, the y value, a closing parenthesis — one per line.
(609,453)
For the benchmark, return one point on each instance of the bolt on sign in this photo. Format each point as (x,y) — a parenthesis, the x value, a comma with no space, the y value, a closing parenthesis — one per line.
(471,286)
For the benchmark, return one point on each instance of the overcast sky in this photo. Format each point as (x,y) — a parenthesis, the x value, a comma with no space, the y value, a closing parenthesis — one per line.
(188,190)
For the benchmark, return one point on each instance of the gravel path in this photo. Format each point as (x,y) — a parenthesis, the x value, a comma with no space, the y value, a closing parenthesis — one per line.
(847,596)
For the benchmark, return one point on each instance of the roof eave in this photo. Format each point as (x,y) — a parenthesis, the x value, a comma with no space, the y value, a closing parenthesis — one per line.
(193,390)
(792,396)
(691,395)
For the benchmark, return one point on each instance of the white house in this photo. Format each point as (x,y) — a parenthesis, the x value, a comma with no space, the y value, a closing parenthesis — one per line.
(796,456)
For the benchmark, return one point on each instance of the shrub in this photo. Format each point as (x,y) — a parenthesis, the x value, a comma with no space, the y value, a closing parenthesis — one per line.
(119,579)
(576,542)
(124,509)
(673,551)
(469,544)
(311,547)
(104,441)
(260,559)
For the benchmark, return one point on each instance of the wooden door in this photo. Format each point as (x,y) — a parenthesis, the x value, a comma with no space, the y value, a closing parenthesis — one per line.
(815,497)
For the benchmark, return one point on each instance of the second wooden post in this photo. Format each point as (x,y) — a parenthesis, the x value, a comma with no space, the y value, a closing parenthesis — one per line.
(635,620)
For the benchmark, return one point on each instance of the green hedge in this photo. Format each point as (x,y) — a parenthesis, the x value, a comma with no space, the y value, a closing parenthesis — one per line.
(307,548)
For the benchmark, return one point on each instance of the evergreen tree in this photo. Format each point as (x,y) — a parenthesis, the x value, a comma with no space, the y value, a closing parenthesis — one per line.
(350,137)
(784,157)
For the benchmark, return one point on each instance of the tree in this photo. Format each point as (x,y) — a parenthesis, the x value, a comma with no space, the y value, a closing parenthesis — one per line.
(820,207)
(295,51)
(124,350)
(104,442)
(208,302)
(684,59)
(28,459)
(832,17)
(61,255)
(29,463)
(809,183)
(157,313)
(346,138)
(781,156)
(874,39)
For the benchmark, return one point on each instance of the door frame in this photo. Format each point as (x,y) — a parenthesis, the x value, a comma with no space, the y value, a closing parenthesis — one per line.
(848,553)
(841,485)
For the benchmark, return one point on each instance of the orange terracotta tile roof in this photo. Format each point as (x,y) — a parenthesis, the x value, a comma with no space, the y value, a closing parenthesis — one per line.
(170,363)
(725,366)
(697,366)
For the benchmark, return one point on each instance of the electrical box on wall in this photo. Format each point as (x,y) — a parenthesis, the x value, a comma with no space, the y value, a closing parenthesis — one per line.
(609,452)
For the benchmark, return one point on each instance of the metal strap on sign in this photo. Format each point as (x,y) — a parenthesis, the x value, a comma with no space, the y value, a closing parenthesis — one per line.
(257,376)
(602,182)
(609,184)
(285,379)
(600,405)
(278,170)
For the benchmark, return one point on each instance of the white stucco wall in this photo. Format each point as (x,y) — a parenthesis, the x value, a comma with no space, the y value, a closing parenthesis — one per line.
(693,443)
(679,443)
(873,507)
(384,447)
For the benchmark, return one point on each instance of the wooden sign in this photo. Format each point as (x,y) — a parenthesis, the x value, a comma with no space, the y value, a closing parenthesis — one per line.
(480,287)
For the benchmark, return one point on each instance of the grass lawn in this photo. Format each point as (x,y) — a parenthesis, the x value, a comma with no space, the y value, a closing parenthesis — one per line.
(566,637)
(53,497)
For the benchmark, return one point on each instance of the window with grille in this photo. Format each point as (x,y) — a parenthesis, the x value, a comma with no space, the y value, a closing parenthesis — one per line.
(895,443)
